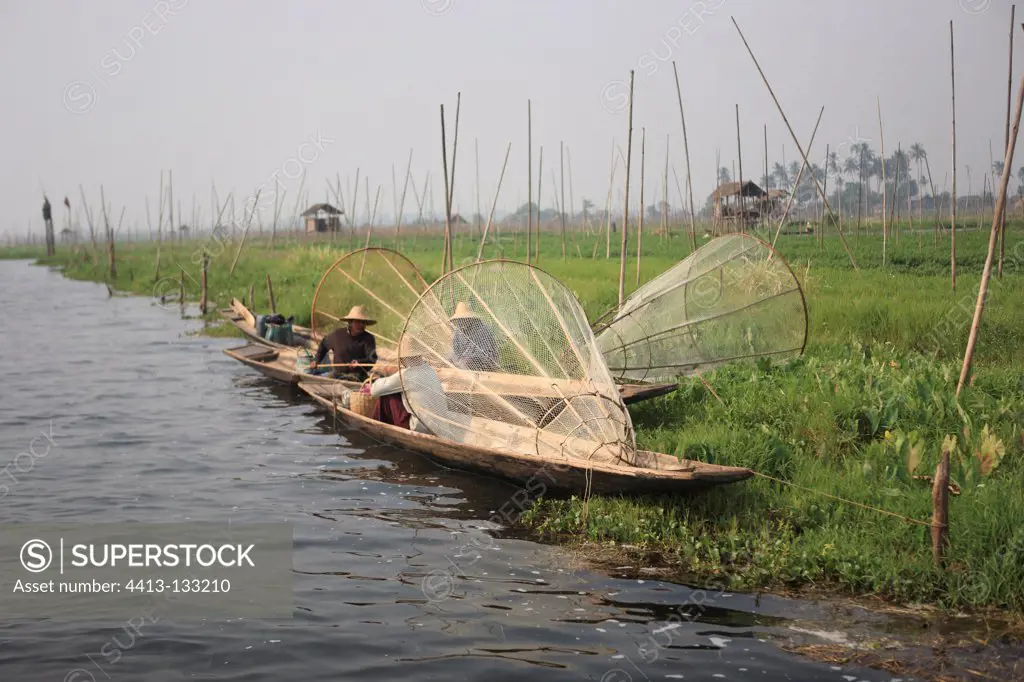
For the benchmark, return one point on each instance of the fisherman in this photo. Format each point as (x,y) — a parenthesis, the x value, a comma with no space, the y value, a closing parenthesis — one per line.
(473,346)
(392,404)
(353,348)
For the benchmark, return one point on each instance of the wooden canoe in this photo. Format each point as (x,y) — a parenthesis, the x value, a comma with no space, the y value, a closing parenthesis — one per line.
(278,363)
(663,473)
(245,321)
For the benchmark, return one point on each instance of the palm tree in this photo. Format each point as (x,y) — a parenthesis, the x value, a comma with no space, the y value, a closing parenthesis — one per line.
(918,154)
(588,206)
(780,172)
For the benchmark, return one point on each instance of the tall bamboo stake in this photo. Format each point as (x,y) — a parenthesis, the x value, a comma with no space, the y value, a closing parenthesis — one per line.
(842,237)
(1004,182)
(352,218)
(245,231)
(561,209)
(796,183)
(640,223)
(479,216)
(952,230)
(625,206)
(529,181)
(686,150)
(739,152)
(664,194)
(170,205)
(540,185)
(885,188)
(572,201)
(608,210)
(401,204)
(821,229)
(159,226)
(494,205)
(447,198)
(1009,92)
(764,218)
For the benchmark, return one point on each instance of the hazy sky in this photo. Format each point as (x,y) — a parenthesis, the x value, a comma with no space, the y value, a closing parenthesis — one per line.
(228,92)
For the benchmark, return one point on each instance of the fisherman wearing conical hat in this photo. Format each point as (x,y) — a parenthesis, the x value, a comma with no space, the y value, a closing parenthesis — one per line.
(354,349)
(473,346)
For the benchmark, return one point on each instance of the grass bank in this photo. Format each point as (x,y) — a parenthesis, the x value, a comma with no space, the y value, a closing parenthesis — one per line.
(859,417)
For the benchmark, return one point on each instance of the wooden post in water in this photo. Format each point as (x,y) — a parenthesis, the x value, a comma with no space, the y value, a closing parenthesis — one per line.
(625,208)
(203,292)
(270,295)
(181,289)
(940,509)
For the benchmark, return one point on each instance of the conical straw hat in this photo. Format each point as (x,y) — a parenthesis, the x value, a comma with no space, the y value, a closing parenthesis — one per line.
(463,312)
(357,313)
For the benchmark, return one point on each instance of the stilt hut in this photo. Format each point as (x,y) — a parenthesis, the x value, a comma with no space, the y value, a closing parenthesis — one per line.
(739,203)
(322,218)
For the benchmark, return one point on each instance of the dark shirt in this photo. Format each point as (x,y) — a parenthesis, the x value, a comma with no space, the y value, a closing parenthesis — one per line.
(473,347)
(361,348)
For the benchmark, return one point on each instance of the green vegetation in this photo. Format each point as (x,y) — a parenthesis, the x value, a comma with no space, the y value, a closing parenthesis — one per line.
(860,416)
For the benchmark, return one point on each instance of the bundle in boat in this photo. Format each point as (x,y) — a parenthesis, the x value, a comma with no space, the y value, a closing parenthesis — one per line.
(499,354)
(734,299)
(383,281)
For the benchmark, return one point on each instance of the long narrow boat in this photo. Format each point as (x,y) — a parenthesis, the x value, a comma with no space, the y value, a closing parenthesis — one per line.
(245,321)
(279,363)
(661,473)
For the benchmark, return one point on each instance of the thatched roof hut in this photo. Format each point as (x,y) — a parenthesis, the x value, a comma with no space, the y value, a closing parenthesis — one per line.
(733,189)
(322,218)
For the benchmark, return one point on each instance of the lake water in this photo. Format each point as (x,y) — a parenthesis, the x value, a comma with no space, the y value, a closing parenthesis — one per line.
(155,424)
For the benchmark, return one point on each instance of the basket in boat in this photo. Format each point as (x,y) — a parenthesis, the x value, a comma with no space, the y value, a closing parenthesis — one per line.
(362,403)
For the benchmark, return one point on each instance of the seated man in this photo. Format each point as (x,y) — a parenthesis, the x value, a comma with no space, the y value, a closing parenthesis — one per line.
(473,346)
(354,349)
(392,404)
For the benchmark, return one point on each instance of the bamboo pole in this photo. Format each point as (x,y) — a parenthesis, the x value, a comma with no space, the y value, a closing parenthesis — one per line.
(451,187)
(792,195)
(1009,93)
(625,202)
(1004,182)
(170,205)
(252,297)
(540,186)
(686,150)
(608,210)
(478,217)
(181,288)
(572,201)
(940,509)
(640,222)
(952,230)
(245,232)
(765,217)
(401,204)
(529,181)
(352,220)
(561,210)
(270,295)
(842,237)
(447,198)
(159,226)
(664,195)
(885,187)
(739,152)
(203,290)
(821,219)
(494,205)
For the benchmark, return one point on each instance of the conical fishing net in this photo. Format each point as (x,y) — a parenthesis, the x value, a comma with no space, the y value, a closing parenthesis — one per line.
(500,355)
(734,299)
(383,281)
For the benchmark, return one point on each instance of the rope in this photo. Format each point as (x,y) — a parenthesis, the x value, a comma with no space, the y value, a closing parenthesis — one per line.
(856,504)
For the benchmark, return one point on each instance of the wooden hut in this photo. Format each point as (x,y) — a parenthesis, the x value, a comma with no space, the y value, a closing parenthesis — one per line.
(740,203)
(322,218)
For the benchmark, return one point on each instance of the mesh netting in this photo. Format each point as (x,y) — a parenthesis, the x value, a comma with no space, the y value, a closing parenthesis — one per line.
(734,299)
(499,354)
(383,281)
